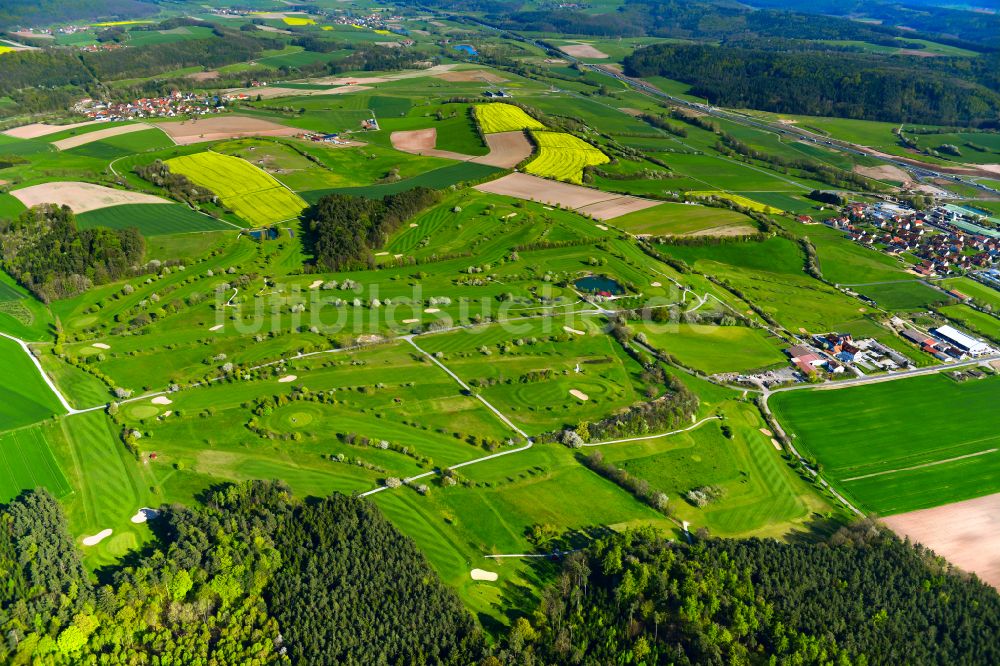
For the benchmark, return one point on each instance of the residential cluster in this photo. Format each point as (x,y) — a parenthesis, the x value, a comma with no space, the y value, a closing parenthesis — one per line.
(946,241)
(836,352)
(176,104)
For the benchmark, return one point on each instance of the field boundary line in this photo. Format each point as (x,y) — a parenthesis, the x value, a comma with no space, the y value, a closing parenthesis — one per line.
(921,466)
(662,434)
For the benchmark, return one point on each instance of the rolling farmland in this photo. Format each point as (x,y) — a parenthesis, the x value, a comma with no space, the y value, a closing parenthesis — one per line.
(151,220)
(251,193)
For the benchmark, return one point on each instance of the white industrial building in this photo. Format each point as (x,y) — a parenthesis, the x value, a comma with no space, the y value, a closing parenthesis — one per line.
(966,343)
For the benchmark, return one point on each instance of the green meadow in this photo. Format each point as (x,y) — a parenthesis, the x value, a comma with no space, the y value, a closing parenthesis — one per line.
(899,446)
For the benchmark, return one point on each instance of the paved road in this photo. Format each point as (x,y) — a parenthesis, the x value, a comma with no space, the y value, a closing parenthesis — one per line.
(662,434)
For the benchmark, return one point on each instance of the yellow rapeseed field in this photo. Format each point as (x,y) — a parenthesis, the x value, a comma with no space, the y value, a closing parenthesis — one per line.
(563,156)
(250,192)
(495,118)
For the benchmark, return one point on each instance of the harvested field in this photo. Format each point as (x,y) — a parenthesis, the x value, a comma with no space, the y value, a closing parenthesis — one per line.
(470,75)
(582,51)
(278,91)
(966,533)
(602,205)
(883,172)
(90,137)
(223,127)
(35,130)
(507,149)
(422,142)
(607,210)
(81,197)
(397,76)
(203,76)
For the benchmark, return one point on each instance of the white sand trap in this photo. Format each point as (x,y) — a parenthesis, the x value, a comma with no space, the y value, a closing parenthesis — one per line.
(655,284)
(483,574)
(410,321)
(579,395)
(766,432)
(81,197)
(381,254)
(431,310)
(413,225)
(573,330)
(162,400)
(602,227)
(100,345)
(316,284)
(777,445)
(287,378)
(144,514)
(217,327)
(166,413)
(97,538)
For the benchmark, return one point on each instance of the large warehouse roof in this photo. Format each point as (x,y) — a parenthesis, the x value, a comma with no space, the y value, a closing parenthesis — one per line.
(964,341)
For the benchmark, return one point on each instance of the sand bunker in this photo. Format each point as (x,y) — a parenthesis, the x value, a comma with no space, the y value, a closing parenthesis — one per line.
(410,321)
(161,400)
(90,137)
(287,378)
(776,444)
(144,514)
(413,225)
(215,128)
(97,538)
(655,284)
(100,345)
(431,310)
(766,432)
(573,330)
(579,395)
(35,130)
(81,197)
(217,327)
(316,284)
(483,574)
(601,205)
(966,533)
(582,51)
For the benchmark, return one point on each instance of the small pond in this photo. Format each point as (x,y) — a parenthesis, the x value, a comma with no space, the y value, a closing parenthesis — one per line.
(599,284)
(468,48)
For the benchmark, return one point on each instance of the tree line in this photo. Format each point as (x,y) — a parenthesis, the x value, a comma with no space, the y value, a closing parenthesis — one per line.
(46,252)
(343,231)
(822,84)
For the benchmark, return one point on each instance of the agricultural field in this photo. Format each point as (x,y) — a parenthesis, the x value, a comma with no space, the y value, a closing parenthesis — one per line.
(250,192)
(933,446)
(670,219)
(714,349)
(980,293)
(29,400)
(908,295)
(26,462)
(563,156)
(739,201)
(493,118)
(151,220)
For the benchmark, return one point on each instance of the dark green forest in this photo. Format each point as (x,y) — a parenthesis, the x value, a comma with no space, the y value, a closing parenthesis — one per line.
(15,13)
(821,84)
(46,252)
(255,576)
(343,231)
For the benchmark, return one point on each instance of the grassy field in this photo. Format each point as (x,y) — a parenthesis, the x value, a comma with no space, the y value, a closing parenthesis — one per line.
(679,219)
(124,144)
(250,192)
(980,293)
(909,295)
(493,118)
(713,349)
(437,179)
(978,322)
(26,400)
(739,201)
(898,446)
(563,156)
(762,495)
(26,462)
(151,220)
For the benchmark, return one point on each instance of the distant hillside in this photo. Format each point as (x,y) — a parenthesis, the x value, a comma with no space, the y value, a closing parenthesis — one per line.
(23,13)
